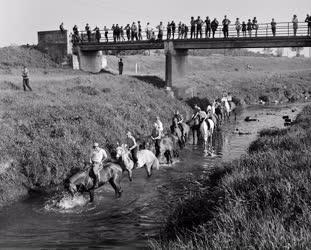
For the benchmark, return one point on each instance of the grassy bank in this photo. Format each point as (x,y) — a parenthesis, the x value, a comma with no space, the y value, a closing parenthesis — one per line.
(47,133)
(261,201)
(274,79)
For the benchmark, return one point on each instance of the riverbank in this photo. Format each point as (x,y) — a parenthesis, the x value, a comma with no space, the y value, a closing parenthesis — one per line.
(259,201)
(46,134)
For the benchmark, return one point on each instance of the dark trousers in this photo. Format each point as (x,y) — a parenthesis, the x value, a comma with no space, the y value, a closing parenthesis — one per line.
(207,32)
(192,30)
(26,84)
(273,31)
(157,147)
(134,155)
(199,31)
(214,31)
(120,70)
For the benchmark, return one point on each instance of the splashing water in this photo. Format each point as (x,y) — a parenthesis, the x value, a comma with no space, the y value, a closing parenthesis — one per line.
(66,203)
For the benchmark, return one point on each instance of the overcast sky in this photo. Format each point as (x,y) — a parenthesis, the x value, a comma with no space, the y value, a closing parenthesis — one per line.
(21,19)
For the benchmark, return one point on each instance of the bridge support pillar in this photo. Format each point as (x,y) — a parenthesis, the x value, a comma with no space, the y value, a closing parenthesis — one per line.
(175,63)
(90,61)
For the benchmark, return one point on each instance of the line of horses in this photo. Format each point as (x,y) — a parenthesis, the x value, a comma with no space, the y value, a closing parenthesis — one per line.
(111,172)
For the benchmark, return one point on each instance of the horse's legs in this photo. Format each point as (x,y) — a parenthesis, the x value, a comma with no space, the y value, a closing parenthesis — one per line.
(130,174)
(148,169)
(92,195)
(116,187)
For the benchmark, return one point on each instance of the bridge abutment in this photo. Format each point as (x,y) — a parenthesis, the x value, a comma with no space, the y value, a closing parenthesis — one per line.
(176,61)
(90,61)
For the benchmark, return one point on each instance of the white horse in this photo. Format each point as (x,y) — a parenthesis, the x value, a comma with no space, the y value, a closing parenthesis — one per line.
(207,129)
(227,108)
(145,157)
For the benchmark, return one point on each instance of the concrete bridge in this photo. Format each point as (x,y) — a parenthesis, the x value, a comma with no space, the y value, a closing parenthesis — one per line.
(176,51)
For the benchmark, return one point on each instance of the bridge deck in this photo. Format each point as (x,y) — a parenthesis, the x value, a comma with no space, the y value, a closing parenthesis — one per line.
(210,43)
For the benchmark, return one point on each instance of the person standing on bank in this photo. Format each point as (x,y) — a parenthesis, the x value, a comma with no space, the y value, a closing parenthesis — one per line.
(295,24)
(132,145)
(120,66)
(25,75)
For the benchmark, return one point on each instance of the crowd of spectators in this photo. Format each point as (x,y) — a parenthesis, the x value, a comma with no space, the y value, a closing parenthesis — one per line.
(197,29)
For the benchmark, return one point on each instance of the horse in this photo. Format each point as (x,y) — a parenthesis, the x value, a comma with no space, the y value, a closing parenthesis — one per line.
(83,181)
(145,157)
(219,112)
(175,130)
(207,130)
(228,108)
(194,125)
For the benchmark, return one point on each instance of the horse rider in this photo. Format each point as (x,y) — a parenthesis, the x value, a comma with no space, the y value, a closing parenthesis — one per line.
(98,155)
(133,147)
(156,137)
(160,125)
(229,99)
(180,120)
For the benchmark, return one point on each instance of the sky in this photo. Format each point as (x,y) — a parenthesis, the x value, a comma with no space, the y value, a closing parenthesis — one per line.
(21,19)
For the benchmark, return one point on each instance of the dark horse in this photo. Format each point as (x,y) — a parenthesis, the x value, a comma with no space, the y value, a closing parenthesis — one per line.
(182,136)
(83,181)
(195,128)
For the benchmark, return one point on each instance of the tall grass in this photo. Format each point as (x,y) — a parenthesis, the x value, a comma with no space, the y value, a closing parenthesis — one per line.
(261,201)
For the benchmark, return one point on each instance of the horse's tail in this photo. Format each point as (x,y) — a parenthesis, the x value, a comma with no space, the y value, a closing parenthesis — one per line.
(155,164)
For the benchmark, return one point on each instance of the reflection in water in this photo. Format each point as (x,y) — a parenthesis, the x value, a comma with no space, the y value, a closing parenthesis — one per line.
(125,223)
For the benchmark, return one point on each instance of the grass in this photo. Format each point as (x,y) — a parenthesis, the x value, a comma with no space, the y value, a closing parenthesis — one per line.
(261,201)
(48,133)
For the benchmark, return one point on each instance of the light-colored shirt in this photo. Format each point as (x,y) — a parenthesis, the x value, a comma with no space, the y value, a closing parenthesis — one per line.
(98,155)
(160,125)
(25,73)
(295,22)
(237,25)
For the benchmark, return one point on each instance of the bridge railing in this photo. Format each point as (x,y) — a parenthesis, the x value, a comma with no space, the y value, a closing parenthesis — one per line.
(264,30)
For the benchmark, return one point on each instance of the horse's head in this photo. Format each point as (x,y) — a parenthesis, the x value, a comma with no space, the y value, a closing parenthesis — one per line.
(121,151)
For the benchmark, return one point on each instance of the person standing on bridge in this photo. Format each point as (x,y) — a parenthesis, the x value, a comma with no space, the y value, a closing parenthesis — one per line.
(273,27)
(134,31)
(173,25)
(249,27)
(140,37)
(168,31)
(238,27)
(207,27)
(186,31)
(97,34)
(128,32)
(120,64)
(244,29)
(308,21)
(61,27)
(88,32)
(214,26)
(255,26)
(114,35)
(160,28)
(148,31)
(295,24)
(192,29)
(106,33)
(225,26)
(199,23)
